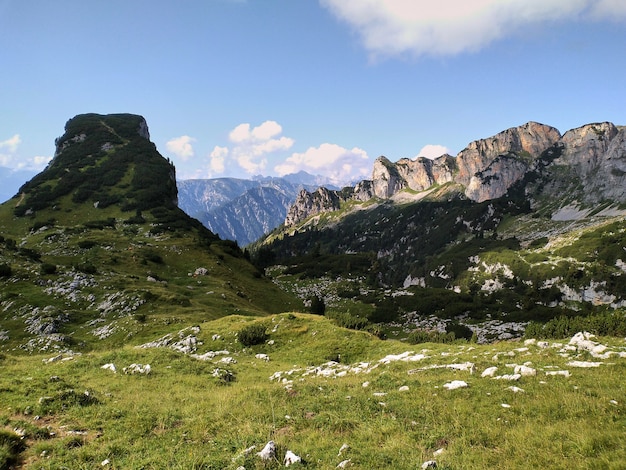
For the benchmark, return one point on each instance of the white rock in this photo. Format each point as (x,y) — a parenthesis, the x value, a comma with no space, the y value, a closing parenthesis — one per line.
(110,367)
(584,364)
(505,405)
(291,458)
(343,449)
(105,462)
(429,464)
(511,377)
(404,388)
(268,452)
(137,369)
(455,384)
(515,389)
(438,452)
(525,371)
(263,357)
(345,463)
(564,373)
(489,372)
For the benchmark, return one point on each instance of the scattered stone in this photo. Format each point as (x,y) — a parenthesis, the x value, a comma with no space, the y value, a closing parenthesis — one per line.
(454,385)
(291,458)
(263,357)
(505,405)
(584,364)
(110,367)
(525,371)
(345,463)
(268,452)
(564,373)
(343,448)
(489,372)
(515,389)
(404,388)
(429,464)
(137,369)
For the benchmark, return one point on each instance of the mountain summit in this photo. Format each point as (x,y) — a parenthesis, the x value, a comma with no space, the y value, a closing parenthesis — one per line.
(94,249)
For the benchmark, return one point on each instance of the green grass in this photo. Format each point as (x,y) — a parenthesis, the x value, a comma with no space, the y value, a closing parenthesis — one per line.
(181,416)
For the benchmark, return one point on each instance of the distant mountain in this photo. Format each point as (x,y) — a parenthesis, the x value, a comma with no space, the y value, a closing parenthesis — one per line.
(240,209)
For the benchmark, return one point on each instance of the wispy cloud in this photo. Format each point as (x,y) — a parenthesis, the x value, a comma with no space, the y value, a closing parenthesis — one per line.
(447,27)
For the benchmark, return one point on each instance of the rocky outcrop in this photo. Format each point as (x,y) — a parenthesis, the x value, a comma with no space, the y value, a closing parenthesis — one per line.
(592,157)
(595,154)
(308,203)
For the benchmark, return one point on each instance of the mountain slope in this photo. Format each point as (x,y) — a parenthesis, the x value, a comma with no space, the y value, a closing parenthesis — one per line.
(242,210)
(94,249)
(476,234)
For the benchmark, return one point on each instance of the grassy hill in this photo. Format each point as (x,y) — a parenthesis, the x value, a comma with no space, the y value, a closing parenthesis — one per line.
(94,250)
(317,388)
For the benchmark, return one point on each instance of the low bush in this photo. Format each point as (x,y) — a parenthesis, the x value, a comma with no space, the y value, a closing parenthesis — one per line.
(253,334)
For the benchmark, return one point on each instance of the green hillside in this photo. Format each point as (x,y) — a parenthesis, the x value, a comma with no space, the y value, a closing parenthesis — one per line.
(94,250)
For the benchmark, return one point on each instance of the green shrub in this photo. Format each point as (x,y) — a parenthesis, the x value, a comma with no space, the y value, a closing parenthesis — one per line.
(5,270)
(423,336)
(47,268)
(253,334)
(11,445)
(318,307)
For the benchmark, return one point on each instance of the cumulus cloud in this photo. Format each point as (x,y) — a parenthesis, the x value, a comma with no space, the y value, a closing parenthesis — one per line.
(9,157)
(217,158)
(447,27)
(253,145)
(181,147)
(432,151)
(339,164)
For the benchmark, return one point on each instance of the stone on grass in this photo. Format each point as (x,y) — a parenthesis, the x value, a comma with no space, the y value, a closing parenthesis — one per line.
(455,384)
(110,367)
(525,371)
(429,464)
(345,463)
(268,452)
(263,357)
(344,448)
(489,372)
(291,458)
(137,369)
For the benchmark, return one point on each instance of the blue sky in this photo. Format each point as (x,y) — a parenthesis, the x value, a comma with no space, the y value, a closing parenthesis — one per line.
(246,87)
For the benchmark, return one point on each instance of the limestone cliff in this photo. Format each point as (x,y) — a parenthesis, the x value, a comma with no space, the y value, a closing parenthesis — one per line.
(592,157)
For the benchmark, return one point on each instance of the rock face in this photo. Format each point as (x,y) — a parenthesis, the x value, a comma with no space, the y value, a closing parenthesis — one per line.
(592,157)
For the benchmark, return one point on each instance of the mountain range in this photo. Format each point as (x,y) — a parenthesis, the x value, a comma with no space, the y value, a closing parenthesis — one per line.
(527,224)
(243,209)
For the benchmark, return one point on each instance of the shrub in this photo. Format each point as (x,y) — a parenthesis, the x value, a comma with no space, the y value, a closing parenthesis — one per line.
(253,334)
(11,445)
(423,336)
(5,270)
(318,307)
(47,268)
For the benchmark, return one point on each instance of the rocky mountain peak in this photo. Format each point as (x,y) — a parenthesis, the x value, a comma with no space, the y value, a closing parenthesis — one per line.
(488,168)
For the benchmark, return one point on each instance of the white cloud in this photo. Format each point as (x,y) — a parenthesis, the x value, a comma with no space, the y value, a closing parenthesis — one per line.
(333,161)
(11,144)
(181,147)
(432,151)
(253,146)
(446,27)
(217,156)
